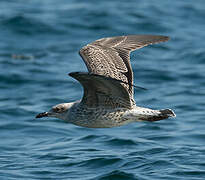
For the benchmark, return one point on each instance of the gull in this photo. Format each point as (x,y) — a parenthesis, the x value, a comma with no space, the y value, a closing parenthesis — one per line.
(108,98)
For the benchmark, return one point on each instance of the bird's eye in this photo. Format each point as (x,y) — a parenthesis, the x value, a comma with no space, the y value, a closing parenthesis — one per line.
(58,109)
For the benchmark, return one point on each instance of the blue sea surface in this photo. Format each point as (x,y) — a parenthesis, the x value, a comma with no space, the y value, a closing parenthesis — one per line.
(39,44)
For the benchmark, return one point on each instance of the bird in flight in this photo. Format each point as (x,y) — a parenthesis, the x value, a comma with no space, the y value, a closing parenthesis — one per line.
(108,99)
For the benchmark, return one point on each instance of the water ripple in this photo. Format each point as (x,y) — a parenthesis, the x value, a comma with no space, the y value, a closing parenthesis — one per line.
(39,46)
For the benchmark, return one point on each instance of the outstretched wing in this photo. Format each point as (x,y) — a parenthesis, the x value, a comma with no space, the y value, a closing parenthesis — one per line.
(110,57)
(101,91)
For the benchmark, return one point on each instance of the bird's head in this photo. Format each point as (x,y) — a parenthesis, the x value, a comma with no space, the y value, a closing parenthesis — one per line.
(58,111)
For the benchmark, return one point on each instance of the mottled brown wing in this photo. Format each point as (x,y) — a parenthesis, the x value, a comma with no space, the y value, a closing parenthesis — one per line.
(101,91)
(110,57)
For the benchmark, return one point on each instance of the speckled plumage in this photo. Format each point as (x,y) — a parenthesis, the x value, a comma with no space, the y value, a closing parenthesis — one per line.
(108,86)
(96,117)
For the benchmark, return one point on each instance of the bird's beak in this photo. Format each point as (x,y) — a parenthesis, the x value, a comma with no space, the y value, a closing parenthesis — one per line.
(43,114)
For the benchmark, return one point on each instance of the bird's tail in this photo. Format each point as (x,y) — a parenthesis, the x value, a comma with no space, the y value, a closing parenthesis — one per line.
(161,114)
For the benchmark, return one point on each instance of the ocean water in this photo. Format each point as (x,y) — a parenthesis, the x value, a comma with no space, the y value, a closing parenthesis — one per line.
(39,44)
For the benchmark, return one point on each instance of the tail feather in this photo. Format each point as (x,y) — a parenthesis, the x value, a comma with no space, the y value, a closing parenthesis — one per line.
(161,114)
(167,112)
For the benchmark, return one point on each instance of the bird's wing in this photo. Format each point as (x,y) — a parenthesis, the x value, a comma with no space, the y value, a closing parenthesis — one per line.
(101,91)
(110,57)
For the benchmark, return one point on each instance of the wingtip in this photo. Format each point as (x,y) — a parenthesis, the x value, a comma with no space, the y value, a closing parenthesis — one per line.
(72,74)
(162,38)
(75,73)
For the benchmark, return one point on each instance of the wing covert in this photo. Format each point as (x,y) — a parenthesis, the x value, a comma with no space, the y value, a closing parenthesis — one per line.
(110,56)
(101,91)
